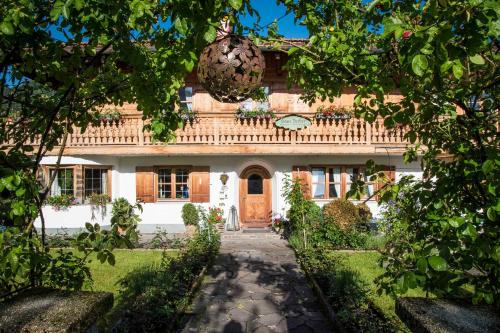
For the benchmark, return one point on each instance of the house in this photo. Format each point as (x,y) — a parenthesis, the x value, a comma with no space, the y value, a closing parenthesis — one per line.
(224,155)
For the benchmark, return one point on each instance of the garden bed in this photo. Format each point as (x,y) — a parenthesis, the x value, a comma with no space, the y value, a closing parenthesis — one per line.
(346,280)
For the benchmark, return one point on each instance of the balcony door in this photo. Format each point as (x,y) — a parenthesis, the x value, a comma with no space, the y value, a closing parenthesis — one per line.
(255,197)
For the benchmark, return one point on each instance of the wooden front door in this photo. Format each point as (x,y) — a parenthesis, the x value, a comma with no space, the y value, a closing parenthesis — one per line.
(255,197)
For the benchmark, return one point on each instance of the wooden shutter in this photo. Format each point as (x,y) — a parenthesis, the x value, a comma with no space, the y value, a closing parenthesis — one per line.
(78,182)
(304,174)
(145,184)
(200,184)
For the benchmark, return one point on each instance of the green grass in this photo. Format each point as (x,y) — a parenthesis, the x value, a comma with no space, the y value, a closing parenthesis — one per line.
(366,264)
(106,277)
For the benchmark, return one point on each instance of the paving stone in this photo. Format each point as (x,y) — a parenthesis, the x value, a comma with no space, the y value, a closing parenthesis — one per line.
(256,286)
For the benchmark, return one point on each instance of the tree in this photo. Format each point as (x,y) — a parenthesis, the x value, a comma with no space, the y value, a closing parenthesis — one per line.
(61,62)
(443,58)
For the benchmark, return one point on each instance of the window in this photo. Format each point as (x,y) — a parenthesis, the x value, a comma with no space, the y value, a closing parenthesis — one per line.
(63,182)
(96,181)
(255,184)
(173,183)
(332,182)
(186,97)
(251,105)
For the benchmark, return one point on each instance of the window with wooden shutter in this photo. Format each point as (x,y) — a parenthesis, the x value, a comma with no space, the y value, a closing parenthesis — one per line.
(145,184)
(304,174)
(200,184)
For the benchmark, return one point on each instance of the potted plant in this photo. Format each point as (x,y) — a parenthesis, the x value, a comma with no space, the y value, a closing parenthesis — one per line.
(215,216)
(191,218)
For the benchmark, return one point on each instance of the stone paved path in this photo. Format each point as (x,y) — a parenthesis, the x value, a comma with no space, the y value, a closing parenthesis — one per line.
(256,286)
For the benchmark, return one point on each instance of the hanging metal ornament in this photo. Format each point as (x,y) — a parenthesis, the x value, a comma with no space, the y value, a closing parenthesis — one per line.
(231,68)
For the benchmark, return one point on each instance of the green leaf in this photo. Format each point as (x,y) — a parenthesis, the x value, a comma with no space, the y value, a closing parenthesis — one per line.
(491,214)
(210,35)
(236,4)
(89,227)
(456,222)
(443,3)
(79,4)
(487,166)
(438,263)
(181,26)
(111,259)
(477,59)
(309,65)
(7,28)
(419,64)
(469,230)
(422,265)
(458,70)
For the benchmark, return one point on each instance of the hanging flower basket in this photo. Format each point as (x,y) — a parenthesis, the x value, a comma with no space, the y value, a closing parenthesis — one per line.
(231,68)
(332,112)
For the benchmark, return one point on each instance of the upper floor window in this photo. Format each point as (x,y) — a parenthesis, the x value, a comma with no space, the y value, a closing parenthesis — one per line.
(186,97)
(96,181)
(63,182)
(173,183)
(262,104)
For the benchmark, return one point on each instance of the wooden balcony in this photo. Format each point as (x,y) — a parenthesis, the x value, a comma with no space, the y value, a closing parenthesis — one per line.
(221,133)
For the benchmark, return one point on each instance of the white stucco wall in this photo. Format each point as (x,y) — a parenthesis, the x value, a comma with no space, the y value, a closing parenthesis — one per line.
(168,214)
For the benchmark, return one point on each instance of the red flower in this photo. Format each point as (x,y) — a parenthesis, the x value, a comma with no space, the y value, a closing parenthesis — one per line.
(406,35)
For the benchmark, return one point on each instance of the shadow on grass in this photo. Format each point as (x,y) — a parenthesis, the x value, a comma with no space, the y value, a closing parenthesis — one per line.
(348,294)
(152,296)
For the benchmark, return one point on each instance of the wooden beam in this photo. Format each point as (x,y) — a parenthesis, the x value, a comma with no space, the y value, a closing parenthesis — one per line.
(236,149)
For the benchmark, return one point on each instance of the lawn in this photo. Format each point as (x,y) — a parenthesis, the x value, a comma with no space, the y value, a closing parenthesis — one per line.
(106,277)
(366,264)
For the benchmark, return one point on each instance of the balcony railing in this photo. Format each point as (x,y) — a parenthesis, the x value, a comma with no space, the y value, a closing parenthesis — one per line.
(224,129)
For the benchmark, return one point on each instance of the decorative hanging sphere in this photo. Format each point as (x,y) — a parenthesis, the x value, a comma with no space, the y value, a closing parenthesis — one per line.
(231,68)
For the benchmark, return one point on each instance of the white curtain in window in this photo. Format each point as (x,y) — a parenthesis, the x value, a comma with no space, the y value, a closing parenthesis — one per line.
(318,183)
(55,188)
(336,179)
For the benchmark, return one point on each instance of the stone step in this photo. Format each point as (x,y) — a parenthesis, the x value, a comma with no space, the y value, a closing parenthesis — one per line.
(246,234)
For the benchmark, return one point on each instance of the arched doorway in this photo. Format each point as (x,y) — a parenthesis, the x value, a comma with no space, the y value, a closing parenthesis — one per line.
(255,197)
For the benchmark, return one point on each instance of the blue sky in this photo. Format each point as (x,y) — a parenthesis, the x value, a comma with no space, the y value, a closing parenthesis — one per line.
(269,11)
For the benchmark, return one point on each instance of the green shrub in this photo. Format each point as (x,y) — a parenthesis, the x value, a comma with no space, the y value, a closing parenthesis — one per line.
(342,213)
(330,236)
(190,214)
(152,296)
(123,214)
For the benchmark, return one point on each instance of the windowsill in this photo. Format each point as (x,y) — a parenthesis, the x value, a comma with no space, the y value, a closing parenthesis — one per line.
(173,200)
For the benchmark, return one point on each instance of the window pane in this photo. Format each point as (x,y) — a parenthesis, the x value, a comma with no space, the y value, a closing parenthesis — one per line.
(255,184)
(164,183)
(318,183)
(95,181)
(334,175)
(181,191)
(181,176)
(334,190)
(63,184)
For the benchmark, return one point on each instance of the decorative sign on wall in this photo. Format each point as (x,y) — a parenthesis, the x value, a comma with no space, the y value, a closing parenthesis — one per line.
(293,122)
